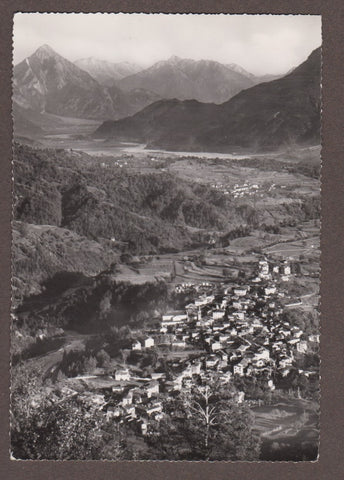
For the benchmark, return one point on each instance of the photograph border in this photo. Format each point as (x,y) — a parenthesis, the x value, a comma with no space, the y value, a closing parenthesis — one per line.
(331,459)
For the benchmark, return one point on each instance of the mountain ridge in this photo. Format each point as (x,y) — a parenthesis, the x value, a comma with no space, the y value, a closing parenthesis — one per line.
(203,80)
(265,116)
(105,72)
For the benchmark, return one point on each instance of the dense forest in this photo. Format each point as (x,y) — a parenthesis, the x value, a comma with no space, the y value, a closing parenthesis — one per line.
(151,212)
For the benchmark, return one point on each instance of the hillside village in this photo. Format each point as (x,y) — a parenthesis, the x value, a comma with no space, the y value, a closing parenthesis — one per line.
(165,238)
(227,332)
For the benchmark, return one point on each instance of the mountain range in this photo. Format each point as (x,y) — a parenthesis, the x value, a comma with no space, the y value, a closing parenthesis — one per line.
(46,82)
(106,73)
(203,80)
(268,115)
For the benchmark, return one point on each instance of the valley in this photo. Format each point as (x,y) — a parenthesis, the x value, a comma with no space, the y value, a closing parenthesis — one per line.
(78,285)
(165,257)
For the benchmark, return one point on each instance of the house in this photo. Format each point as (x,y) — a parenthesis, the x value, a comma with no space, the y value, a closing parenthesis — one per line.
(262,354)
(136,346)
(218,314)
(113,411)
(127,399)
(149,342)
(156,407)
(117,388)
(226,376)
(302,347)
(122,374)
(178,382)
(178,343)
(271,385)
(216,346)
(144,427)
(152,388)
(237,305)
(240,397)
(285,362)
(98,399)
(286,270)
(224,338)
(269,291)
(263,267)
(238,369)
(240,291)
(239,315)
(196,368)
(211,361)
(180,318)
(158,375)
(131,411)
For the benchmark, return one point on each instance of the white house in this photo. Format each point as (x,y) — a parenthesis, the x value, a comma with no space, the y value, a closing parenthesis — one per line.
(122,374)
(136,345)
(240,396)
(217,314)
(239,315)
(216,346)
(224,338)
(178,344)
(240,291)
(144,427)
(269,291)
(149,342)
(301,347)
(286,270)
(238,369)
(271,385)
(196,368)
(180,318)
(262,354)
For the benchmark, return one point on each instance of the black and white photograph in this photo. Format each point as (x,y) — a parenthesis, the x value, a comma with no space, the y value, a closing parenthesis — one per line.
(166,237)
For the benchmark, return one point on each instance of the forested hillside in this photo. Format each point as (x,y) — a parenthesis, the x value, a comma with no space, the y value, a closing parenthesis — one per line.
(74,213)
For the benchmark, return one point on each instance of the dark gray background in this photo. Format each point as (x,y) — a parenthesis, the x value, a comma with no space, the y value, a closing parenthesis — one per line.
(330,465)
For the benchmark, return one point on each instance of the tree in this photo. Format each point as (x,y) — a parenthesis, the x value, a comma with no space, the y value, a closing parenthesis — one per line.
(204,424)
(48,426)
(103,358)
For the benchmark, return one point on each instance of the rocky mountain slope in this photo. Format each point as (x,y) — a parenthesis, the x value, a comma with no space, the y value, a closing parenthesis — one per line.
(47,82)
(203,80)
(267,116)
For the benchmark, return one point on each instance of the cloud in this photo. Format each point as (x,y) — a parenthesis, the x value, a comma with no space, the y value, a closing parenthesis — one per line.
(259,43)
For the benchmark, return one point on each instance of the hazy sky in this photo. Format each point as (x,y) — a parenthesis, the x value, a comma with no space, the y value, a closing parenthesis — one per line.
(259,43)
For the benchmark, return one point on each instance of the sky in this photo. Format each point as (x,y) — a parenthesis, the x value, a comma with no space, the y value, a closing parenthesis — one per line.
(262,44)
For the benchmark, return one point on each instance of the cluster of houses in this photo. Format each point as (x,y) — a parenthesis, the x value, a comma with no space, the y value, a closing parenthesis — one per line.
(237,330)
(241,190)
(189,286)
